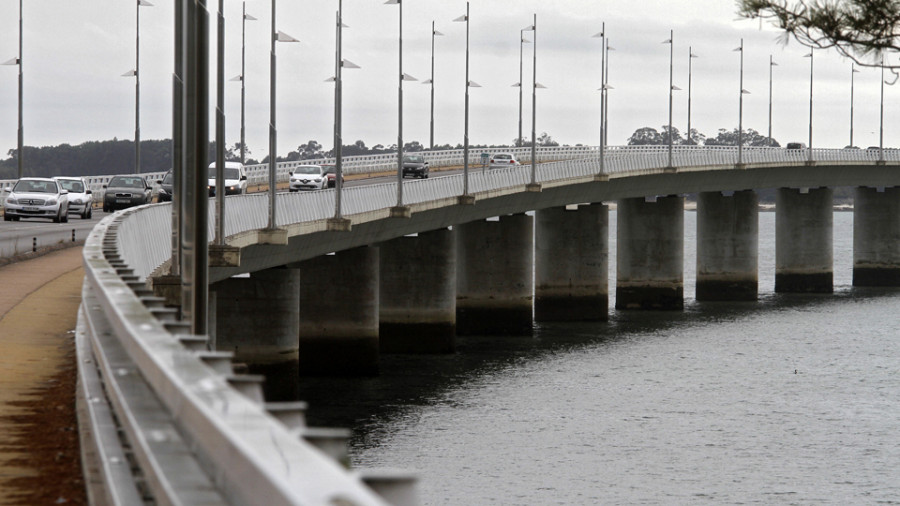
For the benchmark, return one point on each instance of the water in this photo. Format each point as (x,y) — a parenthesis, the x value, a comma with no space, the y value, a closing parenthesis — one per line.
(790,400)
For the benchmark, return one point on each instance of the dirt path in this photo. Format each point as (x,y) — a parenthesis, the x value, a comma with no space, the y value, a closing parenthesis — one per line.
(39,455)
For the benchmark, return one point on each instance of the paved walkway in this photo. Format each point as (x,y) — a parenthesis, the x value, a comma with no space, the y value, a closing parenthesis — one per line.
(39,456)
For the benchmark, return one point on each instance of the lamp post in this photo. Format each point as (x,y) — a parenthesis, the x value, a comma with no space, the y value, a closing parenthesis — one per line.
(602,36)
(810,145)
(881,118)
(219,238)
(741,94)
(339,63)
(522,42)
(244,18)
(772,64)
(852,76)
(18,61)
(691,57)
(402,77)
(137,84)
(469,84)
(430,81)
(534,87)
(273,132)
(671,44)
(606,87)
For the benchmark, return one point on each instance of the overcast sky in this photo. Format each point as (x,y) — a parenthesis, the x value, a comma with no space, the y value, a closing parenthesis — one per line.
(76,52)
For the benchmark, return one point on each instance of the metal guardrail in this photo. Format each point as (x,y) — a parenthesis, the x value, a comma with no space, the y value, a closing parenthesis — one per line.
(194,430)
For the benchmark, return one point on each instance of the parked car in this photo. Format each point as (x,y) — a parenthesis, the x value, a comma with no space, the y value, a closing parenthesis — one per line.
(235,179)
(415,165)
(80,196)
(308,177)
(165,188)
(329,173)
(503,160)
(125,191)
(37,197)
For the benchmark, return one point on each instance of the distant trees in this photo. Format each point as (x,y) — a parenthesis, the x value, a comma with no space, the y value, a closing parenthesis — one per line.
(647,136)
(544,140)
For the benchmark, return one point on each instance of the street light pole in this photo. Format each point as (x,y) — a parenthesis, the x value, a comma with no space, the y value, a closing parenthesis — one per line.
(671,44)
(881,120)
(522,42)
(403,77)
(691,57)
(465,195)
(273,132)
(246,17)
(740,159)
(606,87)
(771,65)
(220,126)
(431,82)
(852,76)
(602,36)
(534,87)
(137,85)
(810,145)
(20,137)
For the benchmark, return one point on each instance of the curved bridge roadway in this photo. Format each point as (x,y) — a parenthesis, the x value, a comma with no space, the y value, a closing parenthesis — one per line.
(170,394)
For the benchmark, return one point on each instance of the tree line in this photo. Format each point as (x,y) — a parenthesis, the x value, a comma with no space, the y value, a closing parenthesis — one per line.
(95,158)
(648,136)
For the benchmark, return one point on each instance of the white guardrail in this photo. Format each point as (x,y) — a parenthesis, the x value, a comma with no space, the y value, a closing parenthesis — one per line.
(171,422)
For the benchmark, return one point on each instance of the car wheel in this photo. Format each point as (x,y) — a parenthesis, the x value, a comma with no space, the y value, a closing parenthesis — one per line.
(7,217)
(65,217)
(58,217)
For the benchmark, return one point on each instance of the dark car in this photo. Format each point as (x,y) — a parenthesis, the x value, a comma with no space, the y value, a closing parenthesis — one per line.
(415,165)
(329,173)
(125,191)
(166,188)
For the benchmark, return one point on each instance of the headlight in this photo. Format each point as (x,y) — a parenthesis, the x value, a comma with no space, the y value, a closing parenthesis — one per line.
(11,200)
(51,201)
(163,191)
(318,180)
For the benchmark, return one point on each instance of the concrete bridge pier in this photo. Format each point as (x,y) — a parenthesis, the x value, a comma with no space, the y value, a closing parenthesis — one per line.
(571,263)
(803,240)
(876,237)
(650,253)
(494,278)
(339,299)
(418,293)
(256,317)
(727,246)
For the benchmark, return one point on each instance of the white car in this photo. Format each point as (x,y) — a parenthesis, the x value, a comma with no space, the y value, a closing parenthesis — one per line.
(503,160)
(37,197)
(80,197)
(308,177)
(235,179)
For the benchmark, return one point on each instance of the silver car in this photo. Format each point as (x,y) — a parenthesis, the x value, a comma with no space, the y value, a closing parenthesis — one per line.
(80,196)
(503,160)
(37,197)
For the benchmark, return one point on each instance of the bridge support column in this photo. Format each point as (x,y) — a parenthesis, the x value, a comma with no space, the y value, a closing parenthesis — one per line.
(650,254)
(257,317)
(417,310)
(876,237)
(571,263)
(339,313)
(803,241)
(495,262)
(727,246)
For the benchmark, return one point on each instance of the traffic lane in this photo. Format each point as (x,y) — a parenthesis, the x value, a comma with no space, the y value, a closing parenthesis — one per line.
(31,234)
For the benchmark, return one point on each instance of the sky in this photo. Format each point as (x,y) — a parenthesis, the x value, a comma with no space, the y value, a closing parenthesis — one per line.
(76,52)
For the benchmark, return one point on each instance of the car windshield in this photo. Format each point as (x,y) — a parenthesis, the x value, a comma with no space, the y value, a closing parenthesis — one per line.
(32,186)
(329,169)
(74,186)
(126,182)
(230,173)
(167,179)
(502,157)
(413,159)
(308,169)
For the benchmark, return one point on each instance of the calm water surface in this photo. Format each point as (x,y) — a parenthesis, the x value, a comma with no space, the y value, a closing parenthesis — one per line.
(791,400)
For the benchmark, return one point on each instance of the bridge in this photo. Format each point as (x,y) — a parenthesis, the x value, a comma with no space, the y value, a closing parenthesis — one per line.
(169,418)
